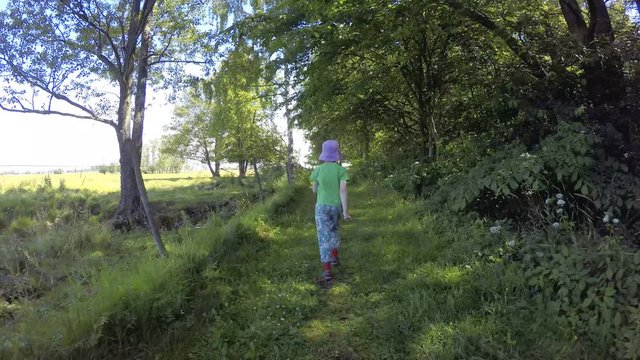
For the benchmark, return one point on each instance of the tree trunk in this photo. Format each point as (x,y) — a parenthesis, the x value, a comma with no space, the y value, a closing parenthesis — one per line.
(287,113)
(242,168)
(133,193)
(211,169)
(129,213)
(365,131)
(255,169)
(142,191)
(602,65)
(207,158)
(604,77)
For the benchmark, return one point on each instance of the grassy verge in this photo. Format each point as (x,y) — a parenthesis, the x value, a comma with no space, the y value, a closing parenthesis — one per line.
(49,233)
(116,310)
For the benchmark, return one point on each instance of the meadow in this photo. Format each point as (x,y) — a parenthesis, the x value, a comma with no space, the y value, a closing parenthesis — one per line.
(55,236)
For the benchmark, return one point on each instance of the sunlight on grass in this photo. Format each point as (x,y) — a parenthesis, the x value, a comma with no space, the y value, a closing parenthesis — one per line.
(100,183)
(8,309)
(453,340)
(437,273)
(96,254)
(436,341)
(322,330)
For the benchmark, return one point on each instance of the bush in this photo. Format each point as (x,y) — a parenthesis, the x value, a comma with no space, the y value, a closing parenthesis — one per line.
(595,288)
(514,180)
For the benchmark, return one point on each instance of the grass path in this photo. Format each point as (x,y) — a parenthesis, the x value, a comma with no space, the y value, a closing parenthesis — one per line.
(408,288)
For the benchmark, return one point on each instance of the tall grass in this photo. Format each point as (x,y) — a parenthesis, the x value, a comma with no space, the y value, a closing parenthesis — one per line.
(122,307)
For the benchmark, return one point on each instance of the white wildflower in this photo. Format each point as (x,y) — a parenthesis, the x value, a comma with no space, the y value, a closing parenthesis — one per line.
(556,225)
(559,211)
(511,243)
(561,202)
(417,162)
(559,196)
(495,229)
(605,219)
(616,221)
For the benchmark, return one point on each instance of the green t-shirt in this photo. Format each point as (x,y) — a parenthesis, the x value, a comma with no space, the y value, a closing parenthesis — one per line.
(328,177)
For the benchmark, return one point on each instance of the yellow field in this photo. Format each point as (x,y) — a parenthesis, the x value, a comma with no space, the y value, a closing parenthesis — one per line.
(102,183)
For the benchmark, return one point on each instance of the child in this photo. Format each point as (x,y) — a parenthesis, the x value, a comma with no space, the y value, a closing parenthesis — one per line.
(330,185)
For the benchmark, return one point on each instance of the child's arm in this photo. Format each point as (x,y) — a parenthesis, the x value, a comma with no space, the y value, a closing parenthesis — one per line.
(344,199)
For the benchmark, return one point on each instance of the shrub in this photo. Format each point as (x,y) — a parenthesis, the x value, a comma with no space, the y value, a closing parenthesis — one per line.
(508,183)
(596,289)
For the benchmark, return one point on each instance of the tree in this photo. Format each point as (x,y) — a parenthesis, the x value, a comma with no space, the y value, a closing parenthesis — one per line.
(374,68)
(155,161)
(240,104)
(64,55)
(604,77)
(196,133)
(594,46)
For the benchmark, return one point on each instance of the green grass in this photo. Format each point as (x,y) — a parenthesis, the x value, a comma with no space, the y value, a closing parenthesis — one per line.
(55,241)
(43,195)
(100,183)
(116,310)
(410,287)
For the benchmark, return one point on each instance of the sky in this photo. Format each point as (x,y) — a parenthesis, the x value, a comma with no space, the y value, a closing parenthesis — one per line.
(40,142)
(46,142)
(56,141)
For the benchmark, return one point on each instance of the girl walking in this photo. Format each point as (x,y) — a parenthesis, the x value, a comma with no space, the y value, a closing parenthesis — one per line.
(330,185)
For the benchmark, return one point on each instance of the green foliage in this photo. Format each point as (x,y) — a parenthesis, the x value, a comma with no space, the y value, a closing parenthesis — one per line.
(513,179)
(595,288)
(155,161)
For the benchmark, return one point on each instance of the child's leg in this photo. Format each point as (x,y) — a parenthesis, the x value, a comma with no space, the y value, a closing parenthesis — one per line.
(335,260)
(335,236)
(327,226)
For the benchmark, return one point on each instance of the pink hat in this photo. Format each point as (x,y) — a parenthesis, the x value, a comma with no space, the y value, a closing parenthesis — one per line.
(330,151)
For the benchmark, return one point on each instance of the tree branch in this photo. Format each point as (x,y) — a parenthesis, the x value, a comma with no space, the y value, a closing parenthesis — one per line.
(25,110)
(177,62)
(574,19)
(34,81)
(599,21)
(536,68)
(84,17)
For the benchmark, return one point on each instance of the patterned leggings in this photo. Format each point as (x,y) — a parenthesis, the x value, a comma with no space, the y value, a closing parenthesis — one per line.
(327,220)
